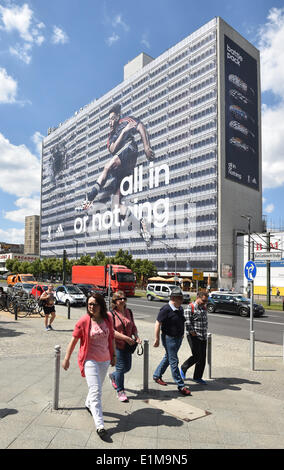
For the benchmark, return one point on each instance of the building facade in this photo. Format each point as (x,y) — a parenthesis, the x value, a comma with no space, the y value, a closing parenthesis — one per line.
(200,104)
(32,235)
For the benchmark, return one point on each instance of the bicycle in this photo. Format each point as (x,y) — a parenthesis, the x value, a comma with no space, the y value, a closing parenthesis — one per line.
(24,307)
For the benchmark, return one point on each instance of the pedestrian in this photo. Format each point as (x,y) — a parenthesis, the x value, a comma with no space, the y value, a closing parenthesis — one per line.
(96,353)
(171,321)
(125,333)
(196,331)
(278,292)
(48,307)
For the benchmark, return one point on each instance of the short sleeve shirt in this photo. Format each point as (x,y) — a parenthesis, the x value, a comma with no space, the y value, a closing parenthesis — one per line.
(172,321)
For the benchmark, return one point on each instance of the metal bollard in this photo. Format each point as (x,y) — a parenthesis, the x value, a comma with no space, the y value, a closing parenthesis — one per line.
(57,350)
(209,354)
(16,311)
(68,308)
(252,337)
(283,346)
(146,366)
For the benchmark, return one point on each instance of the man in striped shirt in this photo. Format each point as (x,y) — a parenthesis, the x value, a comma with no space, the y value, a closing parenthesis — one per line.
(196,324)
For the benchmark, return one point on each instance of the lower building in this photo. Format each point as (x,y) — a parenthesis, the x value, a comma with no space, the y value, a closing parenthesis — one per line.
(32,233)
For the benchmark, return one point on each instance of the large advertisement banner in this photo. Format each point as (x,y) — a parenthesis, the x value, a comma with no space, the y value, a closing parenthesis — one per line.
(241,121)
(126,198)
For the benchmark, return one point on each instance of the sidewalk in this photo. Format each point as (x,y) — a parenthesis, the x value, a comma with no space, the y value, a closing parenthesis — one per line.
(238,408)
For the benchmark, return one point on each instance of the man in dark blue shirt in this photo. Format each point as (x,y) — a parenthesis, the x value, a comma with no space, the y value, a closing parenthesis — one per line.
(171,321)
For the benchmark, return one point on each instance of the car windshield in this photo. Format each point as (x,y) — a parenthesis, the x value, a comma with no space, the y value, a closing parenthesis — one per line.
(73,290)
(27,286)
(125,277)
(240,298)
(28,278)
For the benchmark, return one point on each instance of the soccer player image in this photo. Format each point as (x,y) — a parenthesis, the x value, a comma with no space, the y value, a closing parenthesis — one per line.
(124,150)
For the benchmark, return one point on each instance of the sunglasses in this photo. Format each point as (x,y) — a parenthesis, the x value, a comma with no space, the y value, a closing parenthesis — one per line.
(92,304)
(121,298)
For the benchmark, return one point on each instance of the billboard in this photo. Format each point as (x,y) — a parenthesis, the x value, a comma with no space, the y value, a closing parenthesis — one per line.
(127,199)
(241,116)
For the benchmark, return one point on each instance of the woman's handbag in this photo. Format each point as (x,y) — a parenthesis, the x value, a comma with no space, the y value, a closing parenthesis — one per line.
(128,347)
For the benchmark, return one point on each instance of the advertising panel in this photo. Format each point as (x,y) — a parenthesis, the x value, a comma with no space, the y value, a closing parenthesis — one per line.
(127,197)
(241,121)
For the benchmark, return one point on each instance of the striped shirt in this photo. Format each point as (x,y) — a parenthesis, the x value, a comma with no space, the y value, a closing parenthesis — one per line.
(196,320)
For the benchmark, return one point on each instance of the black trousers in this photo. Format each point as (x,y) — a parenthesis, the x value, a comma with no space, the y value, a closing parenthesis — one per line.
(198,349)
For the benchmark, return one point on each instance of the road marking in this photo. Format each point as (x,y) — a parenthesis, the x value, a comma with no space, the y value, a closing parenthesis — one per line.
(220,316)
(264,321)
(144,306)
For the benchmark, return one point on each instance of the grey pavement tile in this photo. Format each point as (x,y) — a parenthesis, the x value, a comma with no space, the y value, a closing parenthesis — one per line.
(39,433)
(71,437)
(80,420)
(51,419)
(173,444)
(139,442)
(205,437)
(179,431)
(28,444)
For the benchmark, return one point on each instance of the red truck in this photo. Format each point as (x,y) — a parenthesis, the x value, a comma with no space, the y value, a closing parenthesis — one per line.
(122,278)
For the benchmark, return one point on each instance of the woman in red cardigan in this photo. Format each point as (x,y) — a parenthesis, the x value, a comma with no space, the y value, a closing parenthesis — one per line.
(96,353)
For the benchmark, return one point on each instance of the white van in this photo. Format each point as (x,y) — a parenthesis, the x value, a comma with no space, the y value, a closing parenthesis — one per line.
(163,292)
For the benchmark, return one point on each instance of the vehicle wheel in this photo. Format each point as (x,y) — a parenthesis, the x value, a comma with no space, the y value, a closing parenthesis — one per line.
(210,308)
(149,297)
(244,312)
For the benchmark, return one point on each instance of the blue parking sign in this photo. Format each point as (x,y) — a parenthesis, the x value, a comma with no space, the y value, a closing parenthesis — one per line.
(250,270)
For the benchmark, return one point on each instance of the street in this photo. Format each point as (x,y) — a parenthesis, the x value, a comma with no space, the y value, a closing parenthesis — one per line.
(268,328)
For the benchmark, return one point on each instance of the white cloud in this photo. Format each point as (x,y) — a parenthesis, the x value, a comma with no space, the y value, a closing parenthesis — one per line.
(59,36)
(112,39)
(271,39)
(26,206)
(8,87)
(20,169)
(144,41)
(269,208)
(12,235)
(18,19)
(37,140)
(118,21)
(22,52)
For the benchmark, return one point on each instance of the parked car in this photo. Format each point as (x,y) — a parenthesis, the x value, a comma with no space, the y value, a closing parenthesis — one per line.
(163,292)
(69,295)
(86,288)
(38,289)
(233,303)
(22,288)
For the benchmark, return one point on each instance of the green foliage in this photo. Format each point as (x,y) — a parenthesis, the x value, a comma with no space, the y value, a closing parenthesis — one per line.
(54,266)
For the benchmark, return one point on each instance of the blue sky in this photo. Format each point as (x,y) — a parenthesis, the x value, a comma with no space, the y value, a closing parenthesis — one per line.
(59,55)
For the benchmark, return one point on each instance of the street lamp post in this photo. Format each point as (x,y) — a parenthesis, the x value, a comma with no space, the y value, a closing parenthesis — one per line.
(77,241)
(248,218)
(175,256)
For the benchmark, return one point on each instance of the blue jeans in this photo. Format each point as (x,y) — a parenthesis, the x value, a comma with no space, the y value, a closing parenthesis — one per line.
(123,365)
(171,345)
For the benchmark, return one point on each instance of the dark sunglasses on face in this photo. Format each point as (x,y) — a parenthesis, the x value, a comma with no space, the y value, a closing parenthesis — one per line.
(121,298)
(92,304)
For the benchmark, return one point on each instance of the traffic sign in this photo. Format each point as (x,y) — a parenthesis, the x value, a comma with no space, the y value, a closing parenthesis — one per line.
(268,256)
(250,270)
(197,275)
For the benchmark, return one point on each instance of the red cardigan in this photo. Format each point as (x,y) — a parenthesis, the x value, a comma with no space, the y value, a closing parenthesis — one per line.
(82,332)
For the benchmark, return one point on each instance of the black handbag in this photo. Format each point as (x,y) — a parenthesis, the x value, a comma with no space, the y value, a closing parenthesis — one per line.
(128,347)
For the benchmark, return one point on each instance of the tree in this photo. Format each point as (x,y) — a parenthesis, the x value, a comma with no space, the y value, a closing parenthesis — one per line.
(124,258)
(99,259)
